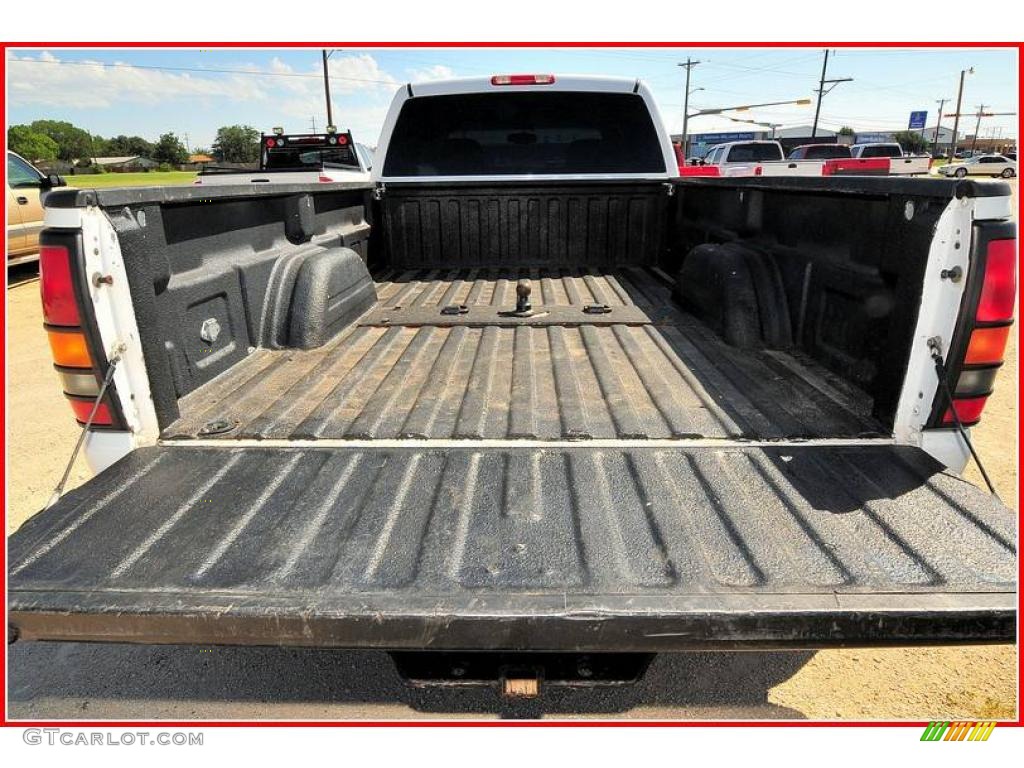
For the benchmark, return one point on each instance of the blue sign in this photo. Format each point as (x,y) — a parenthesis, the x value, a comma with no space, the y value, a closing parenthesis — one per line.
(722,138)
(873,138)
(917,120)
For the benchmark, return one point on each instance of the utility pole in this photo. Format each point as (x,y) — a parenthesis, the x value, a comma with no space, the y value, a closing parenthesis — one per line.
(327,87)
(977,127)
(822,92)
(938,125)
(688,65)
(956,118)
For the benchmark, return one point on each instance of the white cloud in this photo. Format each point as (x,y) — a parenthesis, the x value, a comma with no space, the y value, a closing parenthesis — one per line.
(361,89)
(350,74)
(46,80)
(436,72)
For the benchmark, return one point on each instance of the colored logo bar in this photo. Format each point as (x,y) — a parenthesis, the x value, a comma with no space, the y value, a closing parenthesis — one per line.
(958,731)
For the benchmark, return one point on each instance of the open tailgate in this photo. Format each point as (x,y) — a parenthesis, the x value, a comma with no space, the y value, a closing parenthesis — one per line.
(561,548)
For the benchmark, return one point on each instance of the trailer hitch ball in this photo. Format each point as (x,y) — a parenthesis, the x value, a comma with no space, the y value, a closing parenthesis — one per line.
(523,290)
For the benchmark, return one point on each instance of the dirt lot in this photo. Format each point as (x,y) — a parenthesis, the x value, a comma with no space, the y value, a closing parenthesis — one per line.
(83,681)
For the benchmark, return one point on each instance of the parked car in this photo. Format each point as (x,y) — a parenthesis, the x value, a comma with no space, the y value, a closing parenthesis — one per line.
(549,398)
(820,152)
(25,187)
(981,165)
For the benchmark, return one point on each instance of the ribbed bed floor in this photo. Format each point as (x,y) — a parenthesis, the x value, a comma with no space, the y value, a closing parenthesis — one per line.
(405,370)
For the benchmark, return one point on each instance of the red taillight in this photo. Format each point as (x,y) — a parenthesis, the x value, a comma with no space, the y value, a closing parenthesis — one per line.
(323,178)
(270,142)
(56,286)
(522,80)
(83,407)
(989,334)
(1000,286)
(343,139)
(967,408)
(69,344)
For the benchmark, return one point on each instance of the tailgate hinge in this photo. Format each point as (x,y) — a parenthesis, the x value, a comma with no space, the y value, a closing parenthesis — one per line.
(378,192)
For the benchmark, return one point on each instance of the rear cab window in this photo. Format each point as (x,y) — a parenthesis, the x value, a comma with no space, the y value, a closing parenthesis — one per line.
(837,152)
(882,150)
(308,152)
(754,153)
(557,132)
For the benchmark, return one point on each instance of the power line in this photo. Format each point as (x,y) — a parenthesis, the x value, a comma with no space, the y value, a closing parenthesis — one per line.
(211,70)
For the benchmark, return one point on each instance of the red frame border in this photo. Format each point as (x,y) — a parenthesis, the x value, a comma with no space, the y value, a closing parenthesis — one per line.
(5,722)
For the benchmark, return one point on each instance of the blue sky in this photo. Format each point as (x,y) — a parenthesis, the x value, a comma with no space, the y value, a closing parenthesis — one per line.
(193,92)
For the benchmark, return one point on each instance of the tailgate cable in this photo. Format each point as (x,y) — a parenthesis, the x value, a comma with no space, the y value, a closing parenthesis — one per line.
(59,490)
(935,345)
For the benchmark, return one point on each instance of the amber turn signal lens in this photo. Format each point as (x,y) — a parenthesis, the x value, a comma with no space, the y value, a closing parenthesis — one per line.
(69,349)
(987,345)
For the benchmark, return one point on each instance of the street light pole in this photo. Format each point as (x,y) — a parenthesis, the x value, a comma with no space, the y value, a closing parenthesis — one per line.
(687,65)
(938,125)
(327,87)
(956,118)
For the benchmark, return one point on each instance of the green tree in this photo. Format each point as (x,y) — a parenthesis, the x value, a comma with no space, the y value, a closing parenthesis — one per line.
(911,141)
(31,145)
(127,146)
(846,131)
(73,142)
(169,149)
(237,144)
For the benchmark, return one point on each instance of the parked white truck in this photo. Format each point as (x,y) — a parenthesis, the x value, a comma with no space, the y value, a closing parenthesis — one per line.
(900,163)
(766,158)
(526,394)
(298,159)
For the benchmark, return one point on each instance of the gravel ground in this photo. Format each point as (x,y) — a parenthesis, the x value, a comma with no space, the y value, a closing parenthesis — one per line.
(121,681)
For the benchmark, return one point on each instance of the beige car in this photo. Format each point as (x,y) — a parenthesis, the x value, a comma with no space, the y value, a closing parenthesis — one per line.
(25,185)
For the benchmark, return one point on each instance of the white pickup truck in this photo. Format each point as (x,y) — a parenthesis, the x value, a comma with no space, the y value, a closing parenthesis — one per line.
(526,391)
(298,159)
(900,163)
(757,158)
(766,158)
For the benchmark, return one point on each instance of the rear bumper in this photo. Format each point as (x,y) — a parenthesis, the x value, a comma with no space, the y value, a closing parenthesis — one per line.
(531,622)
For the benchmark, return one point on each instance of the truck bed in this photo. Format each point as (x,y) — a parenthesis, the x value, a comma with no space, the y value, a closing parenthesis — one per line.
(603,474)
(645,369)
